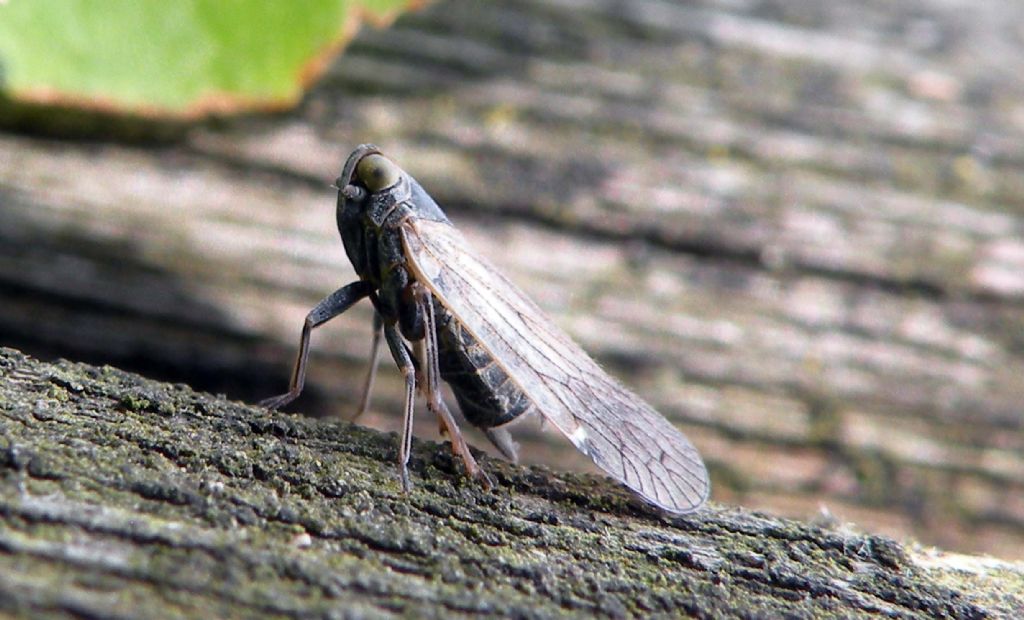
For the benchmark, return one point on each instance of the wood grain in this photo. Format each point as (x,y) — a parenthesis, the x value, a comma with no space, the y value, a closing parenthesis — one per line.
(127,497)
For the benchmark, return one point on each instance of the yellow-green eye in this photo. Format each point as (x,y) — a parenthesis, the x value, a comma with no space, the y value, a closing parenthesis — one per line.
(377,172)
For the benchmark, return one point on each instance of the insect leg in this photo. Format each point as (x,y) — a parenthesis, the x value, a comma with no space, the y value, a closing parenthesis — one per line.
(435,403)
(371,374)
(459,446)
(330,307)
(404,361)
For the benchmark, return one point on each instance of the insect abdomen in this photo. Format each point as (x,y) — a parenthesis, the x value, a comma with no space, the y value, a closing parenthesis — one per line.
(487,396)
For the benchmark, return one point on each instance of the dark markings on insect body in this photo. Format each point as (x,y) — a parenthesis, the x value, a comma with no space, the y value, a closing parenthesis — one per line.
(447,314)
(487,397)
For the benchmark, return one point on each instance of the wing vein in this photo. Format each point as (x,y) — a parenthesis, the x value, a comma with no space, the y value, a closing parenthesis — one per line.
(621,433)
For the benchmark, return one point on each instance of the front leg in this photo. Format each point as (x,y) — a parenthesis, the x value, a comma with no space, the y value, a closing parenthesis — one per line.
(330,307)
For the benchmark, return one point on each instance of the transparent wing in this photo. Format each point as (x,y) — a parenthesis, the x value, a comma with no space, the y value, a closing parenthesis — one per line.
(623,435)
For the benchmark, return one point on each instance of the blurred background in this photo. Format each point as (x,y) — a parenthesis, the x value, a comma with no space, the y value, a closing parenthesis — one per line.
(794,227)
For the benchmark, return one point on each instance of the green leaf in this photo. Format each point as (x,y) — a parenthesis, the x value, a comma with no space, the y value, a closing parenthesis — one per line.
(173,58)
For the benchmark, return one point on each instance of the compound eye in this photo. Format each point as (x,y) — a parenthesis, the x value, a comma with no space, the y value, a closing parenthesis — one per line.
(377,172)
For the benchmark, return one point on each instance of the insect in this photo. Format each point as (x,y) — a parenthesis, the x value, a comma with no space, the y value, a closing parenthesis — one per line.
(447,314)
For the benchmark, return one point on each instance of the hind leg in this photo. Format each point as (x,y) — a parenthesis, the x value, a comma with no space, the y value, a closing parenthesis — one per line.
(432,390)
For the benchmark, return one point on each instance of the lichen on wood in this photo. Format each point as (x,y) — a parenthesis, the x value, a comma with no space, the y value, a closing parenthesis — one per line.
(123,496)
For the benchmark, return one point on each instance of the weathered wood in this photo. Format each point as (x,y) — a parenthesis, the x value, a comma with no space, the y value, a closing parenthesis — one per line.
(125,497)
(795,229)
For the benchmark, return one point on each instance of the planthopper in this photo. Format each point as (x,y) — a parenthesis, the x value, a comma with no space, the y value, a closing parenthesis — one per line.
(447,313)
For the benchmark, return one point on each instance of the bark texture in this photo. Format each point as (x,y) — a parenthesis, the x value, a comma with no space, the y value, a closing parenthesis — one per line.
(795,228)
(125,497)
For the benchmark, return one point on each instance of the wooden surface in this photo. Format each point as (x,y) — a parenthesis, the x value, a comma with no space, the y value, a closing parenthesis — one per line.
(795,229)
(125,497)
